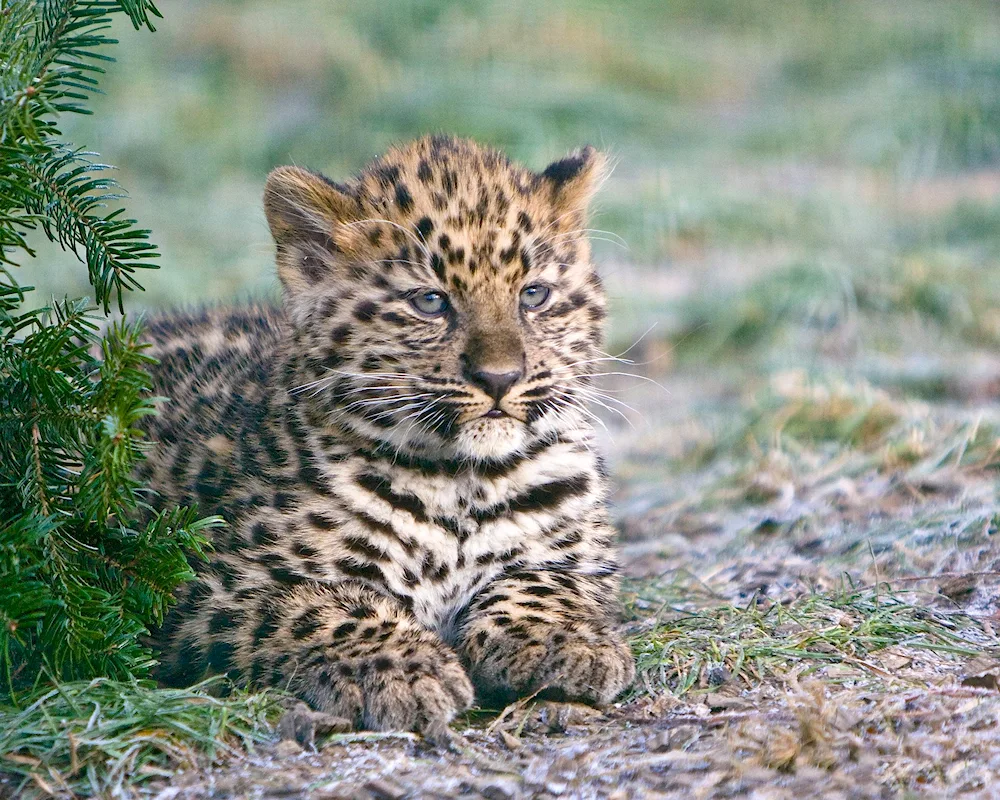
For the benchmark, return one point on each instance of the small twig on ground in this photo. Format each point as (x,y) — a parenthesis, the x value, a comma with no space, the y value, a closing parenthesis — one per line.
(517,704)
(938,576)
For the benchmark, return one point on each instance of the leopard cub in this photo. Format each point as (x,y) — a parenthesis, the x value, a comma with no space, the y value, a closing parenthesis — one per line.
(402,450)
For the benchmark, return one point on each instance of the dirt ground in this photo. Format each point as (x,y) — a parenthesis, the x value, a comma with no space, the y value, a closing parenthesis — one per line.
(777,743)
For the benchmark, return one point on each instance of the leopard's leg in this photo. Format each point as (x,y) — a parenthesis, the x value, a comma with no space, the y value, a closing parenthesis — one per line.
(350,651)
(550,630)
(345,649)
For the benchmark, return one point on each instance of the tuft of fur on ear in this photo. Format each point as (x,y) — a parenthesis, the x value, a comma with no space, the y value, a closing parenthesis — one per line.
(573,180)
(307,214)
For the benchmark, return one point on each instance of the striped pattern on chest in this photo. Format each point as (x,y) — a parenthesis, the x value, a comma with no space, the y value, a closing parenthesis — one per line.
(430,536)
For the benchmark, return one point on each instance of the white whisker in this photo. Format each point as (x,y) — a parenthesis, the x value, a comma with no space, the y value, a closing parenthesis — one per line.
(638,377)
(390,411)
(636,342)
(612,409)
(415,421)
(595,361)
(396,398)
(568,398)
(391,387)
(612,234)
(611,238)
(334,374)
(600,395)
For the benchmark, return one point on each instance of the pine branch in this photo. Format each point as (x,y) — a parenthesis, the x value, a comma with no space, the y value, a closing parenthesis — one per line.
(152,560)
(121,391)
(36,454)
(67,194)
(26,600)
(50,51)
(140,11)
(69,444)
(15,220)
(49,47)
(84,571)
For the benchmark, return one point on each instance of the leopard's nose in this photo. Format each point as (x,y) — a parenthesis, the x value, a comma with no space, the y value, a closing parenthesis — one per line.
(496,384)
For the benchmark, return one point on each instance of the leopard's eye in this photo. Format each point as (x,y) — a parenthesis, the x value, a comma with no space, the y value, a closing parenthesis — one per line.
(534,296)
(429,302)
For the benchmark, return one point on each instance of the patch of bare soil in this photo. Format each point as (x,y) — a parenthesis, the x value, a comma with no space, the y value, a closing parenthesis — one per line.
(803,738)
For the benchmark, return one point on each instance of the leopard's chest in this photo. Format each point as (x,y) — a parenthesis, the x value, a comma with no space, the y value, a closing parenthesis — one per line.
(446,570)
(453,535)
(446,582)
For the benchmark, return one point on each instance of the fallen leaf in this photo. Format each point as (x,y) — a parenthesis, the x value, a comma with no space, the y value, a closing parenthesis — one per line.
(988,680)
(511,742)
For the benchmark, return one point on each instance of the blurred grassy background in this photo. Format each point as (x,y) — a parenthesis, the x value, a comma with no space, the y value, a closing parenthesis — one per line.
(785,172)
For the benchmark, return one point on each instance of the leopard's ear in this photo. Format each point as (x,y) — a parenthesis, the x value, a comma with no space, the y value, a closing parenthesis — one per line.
(309,216)
(572,181)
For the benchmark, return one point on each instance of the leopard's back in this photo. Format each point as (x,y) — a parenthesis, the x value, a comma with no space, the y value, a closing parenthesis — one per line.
(213,365)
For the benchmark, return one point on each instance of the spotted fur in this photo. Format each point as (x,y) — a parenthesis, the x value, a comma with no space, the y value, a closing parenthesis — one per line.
(413,499)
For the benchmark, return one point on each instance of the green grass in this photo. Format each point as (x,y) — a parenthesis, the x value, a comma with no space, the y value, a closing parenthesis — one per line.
(732,126)
(704,648)
(100,738)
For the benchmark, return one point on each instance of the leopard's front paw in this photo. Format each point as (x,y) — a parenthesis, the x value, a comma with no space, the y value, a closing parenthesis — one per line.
(410,694)
(420,687)
(593,666)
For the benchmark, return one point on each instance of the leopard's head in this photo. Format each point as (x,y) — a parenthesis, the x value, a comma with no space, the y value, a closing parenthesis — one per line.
(443,301)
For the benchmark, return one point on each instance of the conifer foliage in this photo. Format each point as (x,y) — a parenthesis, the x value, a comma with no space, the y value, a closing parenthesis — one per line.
(85,566)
